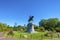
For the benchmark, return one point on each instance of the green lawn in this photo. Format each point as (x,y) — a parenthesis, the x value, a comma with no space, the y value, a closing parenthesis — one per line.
(31,36)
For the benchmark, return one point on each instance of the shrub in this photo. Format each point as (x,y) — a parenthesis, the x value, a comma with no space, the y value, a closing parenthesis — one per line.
(10,33)
(41,29)
(49,33)
(58,29)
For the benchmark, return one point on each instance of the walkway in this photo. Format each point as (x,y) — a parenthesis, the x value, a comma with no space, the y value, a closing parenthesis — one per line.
(4,38)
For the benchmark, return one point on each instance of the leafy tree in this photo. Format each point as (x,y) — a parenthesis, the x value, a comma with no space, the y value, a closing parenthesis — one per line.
(3,26)
(57,28)
(43,22)
(35,27)
(49,24)
(52,22)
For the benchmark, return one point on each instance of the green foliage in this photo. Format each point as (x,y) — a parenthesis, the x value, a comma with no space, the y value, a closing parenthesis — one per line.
(49,24)
(41,29)
(9,28)
(36,27)
(52,22)
(3,27)
(42,35)
(10,33)
(43,22)
(57,29)
(21,35)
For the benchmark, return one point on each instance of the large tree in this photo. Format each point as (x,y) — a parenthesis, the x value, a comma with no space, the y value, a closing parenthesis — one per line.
(43,22)
(49,23)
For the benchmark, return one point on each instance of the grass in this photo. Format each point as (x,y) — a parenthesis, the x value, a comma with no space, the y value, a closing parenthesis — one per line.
(40,35)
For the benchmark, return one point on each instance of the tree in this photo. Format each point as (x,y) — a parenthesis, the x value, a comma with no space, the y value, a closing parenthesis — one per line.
(43,22)
(19,27)
(52,22)
(57,28)
(3,26)
(49,24)
(36,27)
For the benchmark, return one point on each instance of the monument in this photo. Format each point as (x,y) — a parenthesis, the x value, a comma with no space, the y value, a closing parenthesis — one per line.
(30,26)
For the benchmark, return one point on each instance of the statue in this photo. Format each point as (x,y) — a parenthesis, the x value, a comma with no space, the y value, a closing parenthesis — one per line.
(30,18)
(30,26)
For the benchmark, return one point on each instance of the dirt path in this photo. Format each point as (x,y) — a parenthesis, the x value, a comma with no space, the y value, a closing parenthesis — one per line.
(4,38)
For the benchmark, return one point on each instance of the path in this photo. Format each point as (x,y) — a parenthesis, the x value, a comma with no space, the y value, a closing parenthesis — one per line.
(4,38)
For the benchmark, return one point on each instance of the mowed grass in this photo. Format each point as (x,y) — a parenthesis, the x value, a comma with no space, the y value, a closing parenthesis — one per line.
(39,35)
(21,34)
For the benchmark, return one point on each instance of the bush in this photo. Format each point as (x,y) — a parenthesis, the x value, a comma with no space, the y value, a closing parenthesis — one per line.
(41,29)
(10,33)
(49,33)
(58,29)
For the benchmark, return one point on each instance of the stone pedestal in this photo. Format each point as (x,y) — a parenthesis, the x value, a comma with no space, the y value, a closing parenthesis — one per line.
(30,28)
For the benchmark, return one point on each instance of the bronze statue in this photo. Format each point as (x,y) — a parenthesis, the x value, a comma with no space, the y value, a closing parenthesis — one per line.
(30,18)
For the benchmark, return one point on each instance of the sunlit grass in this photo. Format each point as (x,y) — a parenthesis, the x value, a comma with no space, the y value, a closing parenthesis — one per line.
(33,36)
(21,34)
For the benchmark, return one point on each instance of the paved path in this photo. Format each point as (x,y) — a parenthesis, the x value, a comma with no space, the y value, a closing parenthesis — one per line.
(4,38)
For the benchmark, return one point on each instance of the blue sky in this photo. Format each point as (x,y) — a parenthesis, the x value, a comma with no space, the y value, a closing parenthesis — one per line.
(18,11)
